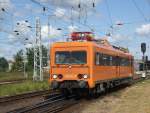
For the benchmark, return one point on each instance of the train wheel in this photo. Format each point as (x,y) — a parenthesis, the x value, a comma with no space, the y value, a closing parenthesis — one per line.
(78,93)
(92,93)
(96,93)
(89,93)
(66,93)
(130,81)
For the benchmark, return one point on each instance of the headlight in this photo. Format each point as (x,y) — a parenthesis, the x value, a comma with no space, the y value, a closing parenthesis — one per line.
(85,76)
(82,35)
(54,76)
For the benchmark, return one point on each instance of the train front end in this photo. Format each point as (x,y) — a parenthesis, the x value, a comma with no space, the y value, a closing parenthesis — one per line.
(70,65)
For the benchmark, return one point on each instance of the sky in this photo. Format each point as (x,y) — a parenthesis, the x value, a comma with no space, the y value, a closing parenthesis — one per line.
(128,22)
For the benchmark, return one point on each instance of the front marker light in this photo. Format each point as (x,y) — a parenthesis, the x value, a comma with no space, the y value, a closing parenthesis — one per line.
(54,76)
(85,76)
(80,76)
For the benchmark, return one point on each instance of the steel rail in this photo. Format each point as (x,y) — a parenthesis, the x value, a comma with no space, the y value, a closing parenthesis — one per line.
(24,96)
(54,104)
(53,99)
(5,82)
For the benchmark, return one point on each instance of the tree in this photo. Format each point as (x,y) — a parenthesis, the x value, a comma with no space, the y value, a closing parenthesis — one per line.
(18,61)
(30,57)
(45,56)
(3,64)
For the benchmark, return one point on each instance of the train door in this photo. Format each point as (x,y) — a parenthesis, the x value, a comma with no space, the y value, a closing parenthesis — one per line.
(117,66)
(132,65)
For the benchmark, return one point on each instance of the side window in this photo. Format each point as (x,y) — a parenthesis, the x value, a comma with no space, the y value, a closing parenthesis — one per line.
(125,62)
(111,60)
(97,58)
(131,61)
(100,59)
(104,60)
(128,62)
(121,62)
(108,60)
(118,61)
(114,61)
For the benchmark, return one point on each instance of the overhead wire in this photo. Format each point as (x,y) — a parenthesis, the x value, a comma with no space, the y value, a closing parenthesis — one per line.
(148,1)
(83,24)
(79,7)
(71,19)
(86,15)
(109,13)
(139,10)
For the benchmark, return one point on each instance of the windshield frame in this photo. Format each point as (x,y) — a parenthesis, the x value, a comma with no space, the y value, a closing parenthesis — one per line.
(85,52)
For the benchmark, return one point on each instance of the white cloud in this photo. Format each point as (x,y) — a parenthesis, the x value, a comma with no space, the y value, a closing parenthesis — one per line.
(72,28)
(32,9)
(1,51)
(5,7)
(5,4)
(8,51)
(53,32)
(28,45)
(119,37)
(67,14)
(71,6)
(21,34)
(12,38)
(59,12)
(18,14)
(143,30)
(72,3)
(22,27)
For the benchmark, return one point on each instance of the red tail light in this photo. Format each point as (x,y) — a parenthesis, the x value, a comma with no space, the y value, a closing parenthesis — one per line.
(80,76)
(60,76)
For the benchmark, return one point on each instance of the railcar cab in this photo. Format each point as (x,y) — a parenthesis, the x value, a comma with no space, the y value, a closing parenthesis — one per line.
(70,64)
(86,63)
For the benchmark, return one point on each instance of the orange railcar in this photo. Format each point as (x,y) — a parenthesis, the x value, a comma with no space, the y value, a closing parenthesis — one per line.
(88,65)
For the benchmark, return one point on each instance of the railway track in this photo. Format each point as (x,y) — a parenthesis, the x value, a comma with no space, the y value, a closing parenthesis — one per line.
(24,96)
(54,104)
(11,81)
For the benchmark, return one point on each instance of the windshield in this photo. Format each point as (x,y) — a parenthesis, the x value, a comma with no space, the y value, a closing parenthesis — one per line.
(74,57)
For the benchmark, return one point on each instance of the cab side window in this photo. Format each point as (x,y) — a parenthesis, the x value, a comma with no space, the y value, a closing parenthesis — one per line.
(97,58)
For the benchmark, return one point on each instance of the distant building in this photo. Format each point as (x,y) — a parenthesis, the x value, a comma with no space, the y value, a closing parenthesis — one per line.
(145,66)
(140,65)
(137,63)
(10,64)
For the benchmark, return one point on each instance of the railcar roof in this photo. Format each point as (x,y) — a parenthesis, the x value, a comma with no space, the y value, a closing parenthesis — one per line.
(89,43)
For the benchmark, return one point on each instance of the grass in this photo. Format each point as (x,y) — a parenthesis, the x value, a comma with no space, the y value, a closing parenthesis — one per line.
(133,99)
(6,76)
(13,89)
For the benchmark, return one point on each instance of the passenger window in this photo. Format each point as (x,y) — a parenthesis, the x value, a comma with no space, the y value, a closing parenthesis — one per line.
(97,58)
(107,60)
(131,61)
(111,61)
(104,60)
(125,62)
(114,61)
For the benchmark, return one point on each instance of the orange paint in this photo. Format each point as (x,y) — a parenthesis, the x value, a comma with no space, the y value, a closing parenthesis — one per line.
(95,73)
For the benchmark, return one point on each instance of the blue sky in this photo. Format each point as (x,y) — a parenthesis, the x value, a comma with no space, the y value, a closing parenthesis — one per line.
(65,14)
